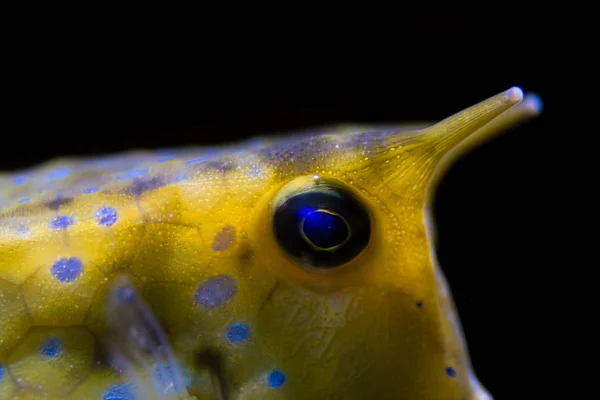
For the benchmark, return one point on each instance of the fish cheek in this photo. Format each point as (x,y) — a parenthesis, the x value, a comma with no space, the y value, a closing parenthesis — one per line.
(331,330)
(330,344)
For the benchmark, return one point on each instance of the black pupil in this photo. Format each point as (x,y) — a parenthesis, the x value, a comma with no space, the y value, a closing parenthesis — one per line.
(324,229)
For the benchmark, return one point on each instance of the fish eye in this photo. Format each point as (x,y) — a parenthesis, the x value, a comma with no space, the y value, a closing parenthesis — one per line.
(322,225)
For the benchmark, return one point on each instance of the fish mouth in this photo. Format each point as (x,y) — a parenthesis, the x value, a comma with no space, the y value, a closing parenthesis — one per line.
(209,361)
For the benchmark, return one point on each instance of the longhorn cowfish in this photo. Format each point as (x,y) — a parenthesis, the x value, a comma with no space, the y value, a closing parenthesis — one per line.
(296,267)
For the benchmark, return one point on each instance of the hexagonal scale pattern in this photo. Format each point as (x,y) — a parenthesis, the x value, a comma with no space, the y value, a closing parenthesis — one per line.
(57,295)
(53,360)
(96,385)
(14,320)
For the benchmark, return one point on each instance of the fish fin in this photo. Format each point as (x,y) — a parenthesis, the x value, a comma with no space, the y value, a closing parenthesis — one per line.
(138,347)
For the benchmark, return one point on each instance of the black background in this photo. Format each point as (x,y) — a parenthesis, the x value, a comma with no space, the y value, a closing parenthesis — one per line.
(77,91)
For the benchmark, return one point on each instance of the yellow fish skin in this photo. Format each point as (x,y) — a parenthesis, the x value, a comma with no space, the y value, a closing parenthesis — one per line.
(292,268)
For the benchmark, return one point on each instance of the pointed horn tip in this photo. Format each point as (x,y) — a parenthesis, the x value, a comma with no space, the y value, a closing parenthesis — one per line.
(533,102)
(514,95)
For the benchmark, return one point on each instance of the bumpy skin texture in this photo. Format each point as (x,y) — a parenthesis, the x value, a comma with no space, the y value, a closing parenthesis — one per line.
(192,230)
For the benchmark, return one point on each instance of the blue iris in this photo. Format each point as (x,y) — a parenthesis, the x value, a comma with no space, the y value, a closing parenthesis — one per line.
(324,229)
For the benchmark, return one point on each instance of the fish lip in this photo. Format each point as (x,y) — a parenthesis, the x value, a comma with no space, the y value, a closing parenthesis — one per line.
(213,361)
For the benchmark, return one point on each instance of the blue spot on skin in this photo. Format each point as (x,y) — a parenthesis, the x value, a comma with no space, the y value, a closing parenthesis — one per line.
(51,348)
(123,391)
(215,291)
(106,216)
(61,222)
(59,173)
(1,372)
(20,180)
(90,190)
(237,333)
(24,200)
(276,378)
(451,372)
(67,270)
